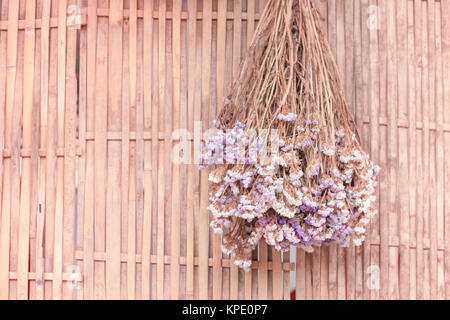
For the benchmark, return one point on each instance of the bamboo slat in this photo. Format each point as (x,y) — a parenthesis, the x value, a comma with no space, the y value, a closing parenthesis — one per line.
(445,19)
(35,156)
(349,25)
(286,276)
(419,166)
(88,226)
(50,185)
(237,33)
(384,154)
(226,281)
(128,165)
(366,109)
(315,275)
(250,20)
(113,192)
(221,43)
(25,192)
(412,145)
(322,276)
(433,230)
(427,158)
(360,95)
(262,271)
(308,276)
(185,150)
(392,100)
(403,193)
(81,159)
(43,64)
(332,268)
(175,218)
(167,124)
(127,168)
(192,117)
(15,157)
(13,12)
(371,253)
(70,165)
(148,118)
(424,222)
(204,193)
(440,160)
(300,275)
(248,276)
(100,174)
(138,120)
(61,99)
(3,76)
(161,150)
(277,276)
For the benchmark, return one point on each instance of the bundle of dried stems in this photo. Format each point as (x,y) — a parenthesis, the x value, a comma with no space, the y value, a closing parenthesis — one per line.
(289,166)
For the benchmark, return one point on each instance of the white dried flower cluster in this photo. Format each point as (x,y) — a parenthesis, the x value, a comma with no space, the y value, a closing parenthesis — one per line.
(310,192)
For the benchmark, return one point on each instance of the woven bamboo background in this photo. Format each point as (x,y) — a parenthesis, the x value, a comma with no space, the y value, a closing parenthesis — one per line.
(92,206)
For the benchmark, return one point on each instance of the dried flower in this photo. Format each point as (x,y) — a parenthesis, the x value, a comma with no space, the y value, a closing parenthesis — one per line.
(290,117)
(296,178)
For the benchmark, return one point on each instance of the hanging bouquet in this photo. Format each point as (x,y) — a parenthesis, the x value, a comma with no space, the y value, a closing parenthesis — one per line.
(288,164)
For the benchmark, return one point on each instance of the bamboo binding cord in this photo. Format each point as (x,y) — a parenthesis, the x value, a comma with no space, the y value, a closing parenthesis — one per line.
(290,168)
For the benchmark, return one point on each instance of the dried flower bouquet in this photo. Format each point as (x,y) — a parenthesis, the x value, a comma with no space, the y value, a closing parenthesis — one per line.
(288,164)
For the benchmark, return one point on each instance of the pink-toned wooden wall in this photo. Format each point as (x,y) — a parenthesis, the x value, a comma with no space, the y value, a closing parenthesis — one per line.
(92,207)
